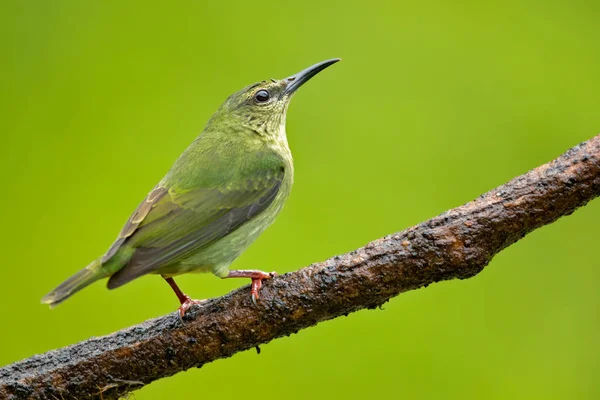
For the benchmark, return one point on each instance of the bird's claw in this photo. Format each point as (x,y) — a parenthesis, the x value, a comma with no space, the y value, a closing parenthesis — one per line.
(257,284)
(186,305)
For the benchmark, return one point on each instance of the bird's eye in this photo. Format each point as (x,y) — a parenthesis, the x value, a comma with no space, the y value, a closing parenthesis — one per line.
(261,96)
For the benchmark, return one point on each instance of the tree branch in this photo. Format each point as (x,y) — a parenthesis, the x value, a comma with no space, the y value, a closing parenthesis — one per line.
(457,244)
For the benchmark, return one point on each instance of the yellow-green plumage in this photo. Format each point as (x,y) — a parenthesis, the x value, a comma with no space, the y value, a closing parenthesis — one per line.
(219,196)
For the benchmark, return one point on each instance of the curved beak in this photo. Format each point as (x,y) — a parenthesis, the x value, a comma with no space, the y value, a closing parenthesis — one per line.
(297,80)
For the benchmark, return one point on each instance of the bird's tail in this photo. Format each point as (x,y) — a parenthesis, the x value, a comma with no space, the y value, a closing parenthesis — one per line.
(74,284)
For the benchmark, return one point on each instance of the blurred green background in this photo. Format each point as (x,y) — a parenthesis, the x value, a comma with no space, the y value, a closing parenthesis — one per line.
(434,103)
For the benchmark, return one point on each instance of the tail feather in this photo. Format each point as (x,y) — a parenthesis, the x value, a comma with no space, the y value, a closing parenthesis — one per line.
(74,284)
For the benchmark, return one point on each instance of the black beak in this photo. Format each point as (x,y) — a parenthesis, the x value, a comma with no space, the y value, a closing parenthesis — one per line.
(295,81)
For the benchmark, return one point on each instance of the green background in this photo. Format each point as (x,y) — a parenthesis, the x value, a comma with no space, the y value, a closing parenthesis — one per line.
(434,103)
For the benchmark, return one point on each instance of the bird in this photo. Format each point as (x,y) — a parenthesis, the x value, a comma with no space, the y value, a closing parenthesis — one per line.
(221,193)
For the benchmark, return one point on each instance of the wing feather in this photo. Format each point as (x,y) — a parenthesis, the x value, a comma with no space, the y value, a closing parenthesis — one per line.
(135,220)
(169,226)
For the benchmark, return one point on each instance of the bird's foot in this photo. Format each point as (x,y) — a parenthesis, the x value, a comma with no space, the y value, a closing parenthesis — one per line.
(185,300)
(257,284)
(257,278)
(186,304)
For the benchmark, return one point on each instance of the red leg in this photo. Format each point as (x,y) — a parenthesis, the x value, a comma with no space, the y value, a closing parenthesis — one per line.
(185,300)
(256,276)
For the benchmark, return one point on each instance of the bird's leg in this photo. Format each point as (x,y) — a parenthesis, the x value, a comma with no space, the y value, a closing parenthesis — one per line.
(256,276)
(185,300)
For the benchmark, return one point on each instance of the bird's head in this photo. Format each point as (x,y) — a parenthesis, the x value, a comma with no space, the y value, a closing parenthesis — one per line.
(262,107)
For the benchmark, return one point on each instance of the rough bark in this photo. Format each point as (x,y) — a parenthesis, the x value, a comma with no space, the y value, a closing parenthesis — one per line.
(456,244)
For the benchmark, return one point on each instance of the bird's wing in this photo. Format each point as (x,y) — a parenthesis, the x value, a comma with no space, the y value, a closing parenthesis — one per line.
(170,225)
(141,212)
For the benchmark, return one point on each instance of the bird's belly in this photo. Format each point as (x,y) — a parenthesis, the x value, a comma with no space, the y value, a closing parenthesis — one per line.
(217,256)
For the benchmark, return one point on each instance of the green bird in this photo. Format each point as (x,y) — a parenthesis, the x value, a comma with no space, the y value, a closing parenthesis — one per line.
(225,189)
